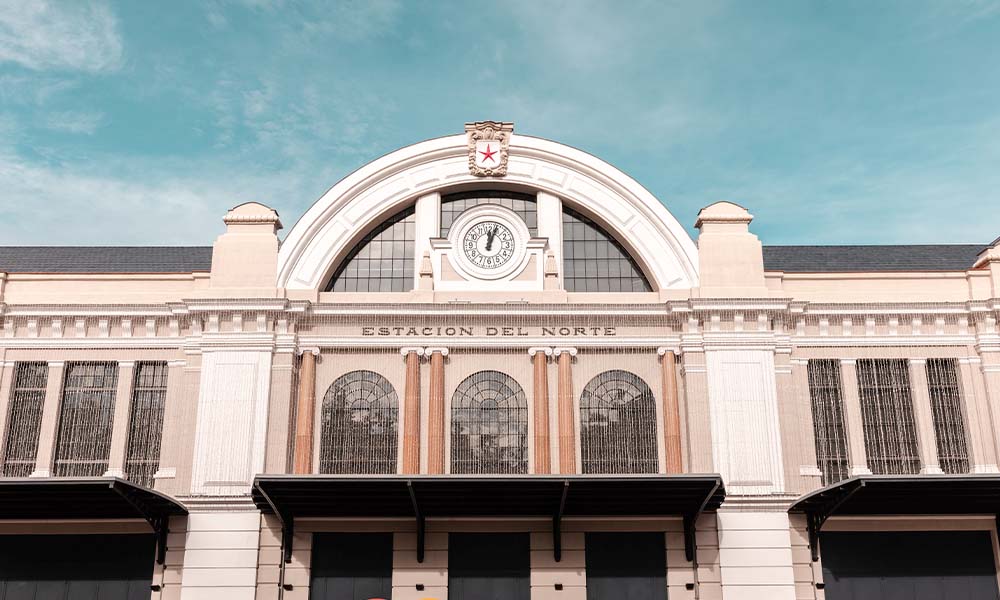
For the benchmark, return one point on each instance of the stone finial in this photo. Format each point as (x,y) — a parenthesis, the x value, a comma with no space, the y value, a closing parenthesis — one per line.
(723,213)
(731,259)
(252,214)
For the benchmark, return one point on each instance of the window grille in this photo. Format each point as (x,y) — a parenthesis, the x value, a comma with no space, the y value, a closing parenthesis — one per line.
(523,205)
(359,425)
(489,425)
(149,396)
(826,398)
(382,261)
(24,420)
(594,261)
(86,419)
(887,413)
(946,409)
(618,425)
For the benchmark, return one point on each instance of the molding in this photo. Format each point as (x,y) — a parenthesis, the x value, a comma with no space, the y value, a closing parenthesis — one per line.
(662,350)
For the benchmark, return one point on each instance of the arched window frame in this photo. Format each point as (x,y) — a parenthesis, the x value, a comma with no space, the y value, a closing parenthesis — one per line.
(392,270)
(614,272)
(639,446)
(364,458)
(466,402)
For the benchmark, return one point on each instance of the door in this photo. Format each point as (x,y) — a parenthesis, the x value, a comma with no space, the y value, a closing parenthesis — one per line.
(351,566)
(909,565)
(489,566)
(626,566)
(76,567)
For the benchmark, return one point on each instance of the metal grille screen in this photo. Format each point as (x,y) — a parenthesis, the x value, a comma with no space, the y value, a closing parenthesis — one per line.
(618,424)
(946,409)
(887,413)
(149,394)
(27,397)
(359,425)
(826,398)
(86,419)
(489,425)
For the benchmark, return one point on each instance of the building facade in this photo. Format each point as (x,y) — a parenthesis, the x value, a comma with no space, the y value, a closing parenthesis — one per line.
(493,366)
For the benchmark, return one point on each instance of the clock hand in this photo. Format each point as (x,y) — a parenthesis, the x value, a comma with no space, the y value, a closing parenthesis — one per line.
(489,238)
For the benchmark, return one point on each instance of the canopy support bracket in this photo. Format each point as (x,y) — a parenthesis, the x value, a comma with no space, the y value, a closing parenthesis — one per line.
(157,522)
(421,522)
(816,519)
(690,524)
(557,524)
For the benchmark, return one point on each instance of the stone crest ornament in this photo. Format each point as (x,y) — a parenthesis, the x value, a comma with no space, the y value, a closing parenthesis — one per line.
(488,144)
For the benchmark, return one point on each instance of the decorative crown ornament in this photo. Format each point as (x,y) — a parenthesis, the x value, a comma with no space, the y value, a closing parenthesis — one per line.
(488,145)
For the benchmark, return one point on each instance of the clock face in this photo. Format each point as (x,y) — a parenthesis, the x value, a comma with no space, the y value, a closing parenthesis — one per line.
(488,244)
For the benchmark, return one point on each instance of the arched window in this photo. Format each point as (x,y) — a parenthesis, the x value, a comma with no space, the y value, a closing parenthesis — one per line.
(382,261)
(489,425)
(618,424)
(594,261)
(360,416)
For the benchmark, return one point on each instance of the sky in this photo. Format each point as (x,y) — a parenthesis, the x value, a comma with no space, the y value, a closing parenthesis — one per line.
(842,121)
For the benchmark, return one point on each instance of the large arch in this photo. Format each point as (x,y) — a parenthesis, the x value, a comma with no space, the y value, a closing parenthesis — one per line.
(587,183)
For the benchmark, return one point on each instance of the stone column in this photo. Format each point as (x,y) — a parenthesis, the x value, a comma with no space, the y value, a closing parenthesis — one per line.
(435,412)
(855,422)
(411,410)
(982,457)
(50,420)
(567,414)
(923,416)
(120,420)
(540,400)
(305,413)
(671,412)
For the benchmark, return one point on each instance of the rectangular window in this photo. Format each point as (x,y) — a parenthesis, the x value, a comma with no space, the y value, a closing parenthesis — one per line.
(826,398)
(86,419)
(887,413)
(24,421)
(149,396)
(946,409)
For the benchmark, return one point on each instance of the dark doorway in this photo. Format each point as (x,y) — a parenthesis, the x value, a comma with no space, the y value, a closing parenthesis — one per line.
(489,566)
(909,565)
(68,567)
(626,566)
(351,566)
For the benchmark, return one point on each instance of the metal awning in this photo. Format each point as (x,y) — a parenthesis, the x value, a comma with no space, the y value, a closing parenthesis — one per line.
(88,498)
(899,495)
(292,497)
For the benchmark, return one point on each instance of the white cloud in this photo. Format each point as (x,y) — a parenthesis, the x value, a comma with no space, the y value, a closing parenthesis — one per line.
(75,121)
(41,34)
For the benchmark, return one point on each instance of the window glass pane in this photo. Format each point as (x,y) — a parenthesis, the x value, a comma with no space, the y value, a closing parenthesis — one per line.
(618,424)
(489,425)
(149,395)
(524,205)
(86,419)
(946,409)
(826,398)
(24,421)
(593,261)
(359,425)
(887,414)
(369,265)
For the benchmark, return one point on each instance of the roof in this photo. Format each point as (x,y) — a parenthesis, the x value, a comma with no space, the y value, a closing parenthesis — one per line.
(840,259)
(82,498)
(105,259)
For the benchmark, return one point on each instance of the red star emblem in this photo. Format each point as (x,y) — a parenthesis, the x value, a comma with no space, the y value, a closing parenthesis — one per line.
(488,155)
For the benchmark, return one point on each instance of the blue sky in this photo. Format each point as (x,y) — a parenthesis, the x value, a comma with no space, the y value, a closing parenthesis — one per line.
(833,121)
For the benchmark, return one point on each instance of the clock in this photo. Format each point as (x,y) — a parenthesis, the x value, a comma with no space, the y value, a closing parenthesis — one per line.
(488,244)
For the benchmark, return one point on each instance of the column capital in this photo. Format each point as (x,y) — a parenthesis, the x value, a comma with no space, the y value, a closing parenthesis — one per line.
(418,350)
(564,350)
(313,351)
(916,362)
(126,364)
(539,349)
(662,350)
(439,349)
(849,362)
(799,362)
(57,363)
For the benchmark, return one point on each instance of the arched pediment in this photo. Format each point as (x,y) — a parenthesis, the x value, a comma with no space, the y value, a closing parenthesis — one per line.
(585,182)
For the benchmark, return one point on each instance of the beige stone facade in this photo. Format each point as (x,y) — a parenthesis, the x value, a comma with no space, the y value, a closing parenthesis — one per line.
(253,342)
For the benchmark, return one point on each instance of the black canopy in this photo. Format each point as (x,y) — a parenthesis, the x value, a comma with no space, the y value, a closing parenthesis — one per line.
(292,497)
(88,498)
(899,495)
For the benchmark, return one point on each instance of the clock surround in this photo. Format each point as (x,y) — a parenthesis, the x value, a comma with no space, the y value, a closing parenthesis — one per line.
(491,242)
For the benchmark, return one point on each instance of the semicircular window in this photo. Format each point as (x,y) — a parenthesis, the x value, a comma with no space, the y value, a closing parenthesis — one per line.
(382,261)
(359,425)
(489,425)
(618,424)
(594,261)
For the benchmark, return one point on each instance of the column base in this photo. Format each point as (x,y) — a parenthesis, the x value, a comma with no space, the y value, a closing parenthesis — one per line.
(985,469)
(931,470)
(166,473)
(810,471)
(860,470)
(41,473)
(115,472)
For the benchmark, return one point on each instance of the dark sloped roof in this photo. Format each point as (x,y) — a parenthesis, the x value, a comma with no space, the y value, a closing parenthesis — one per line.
(833,259)
(105,259)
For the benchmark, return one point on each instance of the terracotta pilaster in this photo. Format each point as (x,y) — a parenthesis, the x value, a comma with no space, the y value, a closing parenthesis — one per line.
(540,400)
(411,410)
(671,412)
(305,411)
(567,416)
(435,412)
